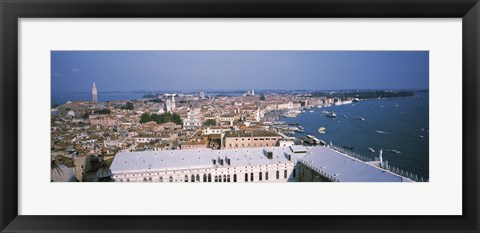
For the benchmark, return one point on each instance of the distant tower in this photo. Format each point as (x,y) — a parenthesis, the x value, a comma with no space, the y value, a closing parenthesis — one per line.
(253,92)
(173,102)
(94,93)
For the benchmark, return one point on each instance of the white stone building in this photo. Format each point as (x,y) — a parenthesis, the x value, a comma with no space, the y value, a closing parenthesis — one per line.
(269,164)
(193,119)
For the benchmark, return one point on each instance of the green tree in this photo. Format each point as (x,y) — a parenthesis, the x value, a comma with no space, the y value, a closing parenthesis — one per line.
(129,106)
(102,111)
(210,122)
(85,115)
(262,98)
(145,118)
(160,119)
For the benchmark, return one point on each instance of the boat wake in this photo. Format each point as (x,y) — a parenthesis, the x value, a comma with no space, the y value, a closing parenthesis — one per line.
(382,132)
(394,151)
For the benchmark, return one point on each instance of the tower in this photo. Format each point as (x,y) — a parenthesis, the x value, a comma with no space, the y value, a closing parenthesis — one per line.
(173,102)
(94,93)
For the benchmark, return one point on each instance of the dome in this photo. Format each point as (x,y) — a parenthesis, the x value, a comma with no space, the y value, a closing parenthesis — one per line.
(104,173)
(61,173)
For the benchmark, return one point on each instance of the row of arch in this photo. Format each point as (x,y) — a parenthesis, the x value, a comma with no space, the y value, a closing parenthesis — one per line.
(249,177)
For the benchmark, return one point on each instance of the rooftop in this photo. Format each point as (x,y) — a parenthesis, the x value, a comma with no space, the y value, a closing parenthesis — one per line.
(346,168)
(146,161)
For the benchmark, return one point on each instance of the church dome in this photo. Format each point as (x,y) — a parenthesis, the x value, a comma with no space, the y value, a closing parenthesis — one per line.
(104,173)
(61,173)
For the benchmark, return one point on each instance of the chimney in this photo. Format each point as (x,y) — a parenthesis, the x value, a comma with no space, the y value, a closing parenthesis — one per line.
(268,153)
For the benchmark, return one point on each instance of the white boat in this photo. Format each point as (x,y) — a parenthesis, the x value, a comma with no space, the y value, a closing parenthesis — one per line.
(325,112)
(332,114)
(361,118)
(321,130)
(371,150)
(290,114)
(311,111)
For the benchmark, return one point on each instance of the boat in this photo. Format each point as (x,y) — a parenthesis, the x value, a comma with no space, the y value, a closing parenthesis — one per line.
(344,116)
(361,118)
(290,114)
(420,136)
(371,150)
(348,147)
(421,129)
(332,115)
(312,140)
(311,111)
(325,112)
(321,130)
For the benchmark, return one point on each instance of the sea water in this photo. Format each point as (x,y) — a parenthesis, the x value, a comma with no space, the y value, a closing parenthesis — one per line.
(396,124)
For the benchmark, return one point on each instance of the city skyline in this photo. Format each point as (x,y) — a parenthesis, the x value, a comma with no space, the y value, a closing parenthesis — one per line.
(75,71)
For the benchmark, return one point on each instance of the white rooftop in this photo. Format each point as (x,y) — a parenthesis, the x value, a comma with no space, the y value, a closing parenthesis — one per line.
(346,168)
(145,161)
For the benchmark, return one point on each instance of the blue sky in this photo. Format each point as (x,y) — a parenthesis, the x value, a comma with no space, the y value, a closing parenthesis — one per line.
(75,71)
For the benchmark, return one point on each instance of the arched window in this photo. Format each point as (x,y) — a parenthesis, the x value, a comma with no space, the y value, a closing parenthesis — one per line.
(121,180)
(209,177)
(144,179)
(193,178)
(294,171)
(285,174)
(228,178)
(216,178)
(260,176)
(150,179)
(160,179)
(246,177)
(204,177)
(220,178)
(278,175)
(224,178)
(128,180)
(186,178)
(251,176)
(266,175)
(197,178)
(170,179)
(234,177)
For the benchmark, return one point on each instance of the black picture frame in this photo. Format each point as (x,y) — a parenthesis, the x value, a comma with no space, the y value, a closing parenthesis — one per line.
(11,11)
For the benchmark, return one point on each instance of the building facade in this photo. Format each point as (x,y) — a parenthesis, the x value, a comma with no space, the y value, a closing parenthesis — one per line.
(271,164)
(104,121)
(250,139)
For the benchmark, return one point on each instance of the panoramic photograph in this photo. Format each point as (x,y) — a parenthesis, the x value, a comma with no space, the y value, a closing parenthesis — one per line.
(269,116)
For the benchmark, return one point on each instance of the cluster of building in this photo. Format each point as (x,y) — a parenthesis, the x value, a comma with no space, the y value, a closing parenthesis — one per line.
(220,139)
